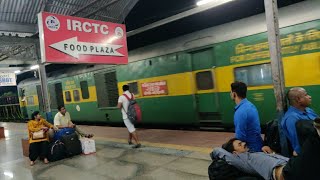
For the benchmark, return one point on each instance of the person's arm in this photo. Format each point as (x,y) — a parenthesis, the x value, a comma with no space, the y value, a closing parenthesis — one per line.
(32,128)
(46,123)
(70,123)
(240,120)
(292,134)
(120,101)
(232,159)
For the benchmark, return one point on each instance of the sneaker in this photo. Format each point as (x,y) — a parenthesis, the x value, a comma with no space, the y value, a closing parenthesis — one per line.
(130,142)
(137,146)
(32,163)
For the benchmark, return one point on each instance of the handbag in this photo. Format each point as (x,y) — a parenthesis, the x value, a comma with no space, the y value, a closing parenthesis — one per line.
(38,135)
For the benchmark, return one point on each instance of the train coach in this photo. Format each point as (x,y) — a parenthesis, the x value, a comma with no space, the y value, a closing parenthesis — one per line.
(186,81)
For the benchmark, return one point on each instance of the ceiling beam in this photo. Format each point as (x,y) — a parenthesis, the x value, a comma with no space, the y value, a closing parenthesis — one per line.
(173,18)
(11,61)
(11,69)
(17,27)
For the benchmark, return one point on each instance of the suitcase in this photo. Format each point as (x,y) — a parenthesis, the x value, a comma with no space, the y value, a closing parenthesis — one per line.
(72,144)
(25,146)
(57,151)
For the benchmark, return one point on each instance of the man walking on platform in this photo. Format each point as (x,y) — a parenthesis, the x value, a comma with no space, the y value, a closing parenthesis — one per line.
(246,118)
(123,104)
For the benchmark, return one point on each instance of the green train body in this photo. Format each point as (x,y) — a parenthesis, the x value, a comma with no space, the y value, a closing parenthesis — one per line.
(186,81)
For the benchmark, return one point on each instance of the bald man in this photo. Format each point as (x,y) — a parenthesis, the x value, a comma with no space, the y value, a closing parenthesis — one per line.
(299,101)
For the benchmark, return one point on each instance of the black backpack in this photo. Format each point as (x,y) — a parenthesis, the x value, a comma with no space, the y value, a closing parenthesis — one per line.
(305,129)
(72,144)
(272,136)
(57,151)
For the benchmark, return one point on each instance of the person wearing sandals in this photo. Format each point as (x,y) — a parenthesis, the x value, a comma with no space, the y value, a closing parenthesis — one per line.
(38,138)
(123,104)
(63,120)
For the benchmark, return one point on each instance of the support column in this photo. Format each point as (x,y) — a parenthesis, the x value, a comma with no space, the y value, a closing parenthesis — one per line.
(271,10)
(44,85)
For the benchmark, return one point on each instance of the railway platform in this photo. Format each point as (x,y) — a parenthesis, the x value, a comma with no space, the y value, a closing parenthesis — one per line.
(165,154)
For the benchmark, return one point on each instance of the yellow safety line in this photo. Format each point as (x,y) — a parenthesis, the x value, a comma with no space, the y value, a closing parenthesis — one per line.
(162,145)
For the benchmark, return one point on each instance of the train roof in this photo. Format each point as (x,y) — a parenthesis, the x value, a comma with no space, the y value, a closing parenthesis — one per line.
(294,14)
(67,72)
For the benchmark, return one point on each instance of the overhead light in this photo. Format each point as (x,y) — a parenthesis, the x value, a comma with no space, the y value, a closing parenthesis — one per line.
(34,67)
(217,2)
(17,71)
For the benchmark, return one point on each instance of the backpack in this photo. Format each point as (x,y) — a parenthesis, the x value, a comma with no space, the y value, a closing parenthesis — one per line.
(305,129)
(134,111)
(72,144)
(57,151)
(272,136)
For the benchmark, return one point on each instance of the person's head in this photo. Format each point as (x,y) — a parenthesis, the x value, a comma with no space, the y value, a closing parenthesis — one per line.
(36,115)
(62,109)
(235,146)
(238,90)
(125,87)
(298,97)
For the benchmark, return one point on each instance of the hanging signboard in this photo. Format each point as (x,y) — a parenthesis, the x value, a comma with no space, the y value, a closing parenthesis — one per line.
(8,79)
(154,88)
(68,39)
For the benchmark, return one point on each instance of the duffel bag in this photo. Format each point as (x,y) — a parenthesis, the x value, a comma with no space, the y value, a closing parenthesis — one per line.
(57,151)
(72,144)
(62,132)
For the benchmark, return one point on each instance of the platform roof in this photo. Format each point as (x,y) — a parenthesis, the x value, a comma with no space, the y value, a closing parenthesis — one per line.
(167,19)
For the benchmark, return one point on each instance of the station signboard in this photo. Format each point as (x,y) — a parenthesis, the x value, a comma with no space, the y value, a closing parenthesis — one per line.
(154,88)
(68,39)
(8,79)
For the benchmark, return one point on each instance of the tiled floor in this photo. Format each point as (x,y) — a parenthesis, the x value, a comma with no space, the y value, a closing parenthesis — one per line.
(166,154)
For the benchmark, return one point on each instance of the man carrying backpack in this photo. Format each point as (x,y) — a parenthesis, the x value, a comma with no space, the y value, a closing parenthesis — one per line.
(123,104)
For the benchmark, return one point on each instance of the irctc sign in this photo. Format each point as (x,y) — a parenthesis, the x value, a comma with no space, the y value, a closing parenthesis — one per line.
(67,39)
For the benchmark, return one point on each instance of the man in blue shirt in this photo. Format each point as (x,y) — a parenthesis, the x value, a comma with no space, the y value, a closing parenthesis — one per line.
(299,101)
(246,118)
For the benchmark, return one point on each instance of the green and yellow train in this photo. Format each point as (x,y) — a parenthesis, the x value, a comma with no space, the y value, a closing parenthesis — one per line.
(186,81)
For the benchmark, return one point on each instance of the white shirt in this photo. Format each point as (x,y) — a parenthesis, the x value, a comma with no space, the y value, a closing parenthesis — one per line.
(125,103)
(62,120)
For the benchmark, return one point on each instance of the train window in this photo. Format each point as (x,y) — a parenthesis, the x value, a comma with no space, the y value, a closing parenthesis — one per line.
(84,89)
(30,100)
(255,75)
(204,80)
(76,95)
(68,96)
(134,88)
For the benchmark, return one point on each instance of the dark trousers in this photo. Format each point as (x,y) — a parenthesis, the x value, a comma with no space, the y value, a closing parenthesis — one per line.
(306,165)
(37,149)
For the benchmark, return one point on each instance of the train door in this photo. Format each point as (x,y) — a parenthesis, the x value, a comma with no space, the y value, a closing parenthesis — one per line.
(56,95)
(206,96)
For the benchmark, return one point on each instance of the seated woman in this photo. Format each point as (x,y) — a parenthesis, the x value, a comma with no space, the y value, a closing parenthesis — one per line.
(38,141)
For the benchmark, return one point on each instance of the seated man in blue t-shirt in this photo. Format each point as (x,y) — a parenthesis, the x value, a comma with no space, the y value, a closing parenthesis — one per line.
(299,101)
(246,118)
